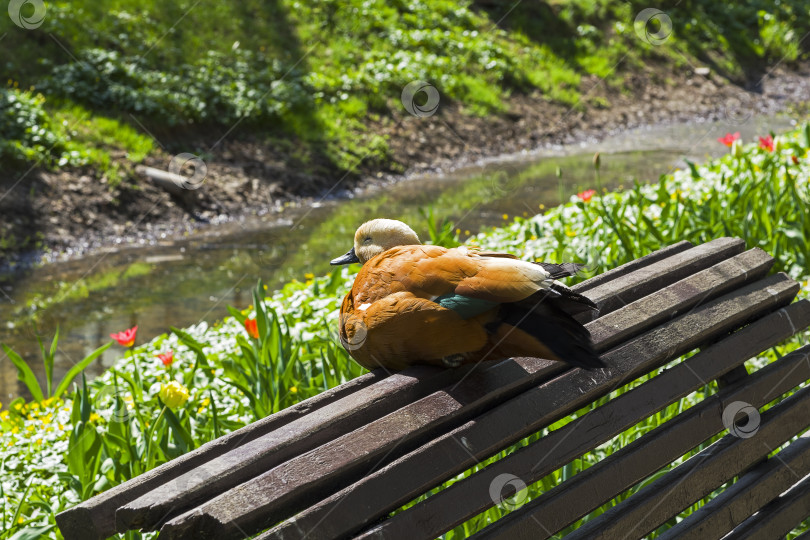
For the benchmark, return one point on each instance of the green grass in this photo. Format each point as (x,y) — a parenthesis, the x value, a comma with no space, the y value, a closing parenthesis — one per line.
(311,78)
(65,135)
(233,379)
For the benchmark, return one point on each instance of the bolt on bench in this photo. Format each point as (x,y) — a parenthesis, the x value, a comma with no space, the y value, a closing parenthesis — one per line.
(336,465)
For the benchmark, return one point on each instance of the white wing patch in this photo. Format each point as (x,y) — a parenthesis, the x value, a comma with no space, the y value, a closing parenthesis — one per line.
(363,307)
(533,272)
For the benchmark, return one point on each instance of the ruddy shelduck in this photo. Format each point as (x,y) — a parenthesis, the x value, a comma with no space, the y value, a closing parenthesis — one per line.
(424,304)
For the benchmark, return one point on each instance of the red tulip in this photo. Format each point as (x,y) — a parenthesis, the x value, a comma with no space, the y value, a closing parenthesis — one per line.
(729,139)
(252,328)
(587,194)
(766,143)
(126,338)
(167,358)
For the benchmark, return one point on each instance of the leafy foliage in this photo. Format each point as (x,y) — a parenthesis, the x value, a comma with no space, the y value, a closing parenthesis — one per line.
(323,73)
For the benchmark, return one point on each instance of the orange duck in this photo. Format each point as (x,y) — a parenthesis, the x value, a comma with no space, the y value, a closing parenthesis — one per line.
(424,304)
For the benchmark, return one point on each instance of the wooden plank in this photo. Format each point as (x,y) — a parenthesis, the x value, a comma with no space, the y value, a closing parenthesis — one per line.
(253,456)
(664,304)
(778,518)
(265,499)
(95,518)
(653,505)
(628,288)
(632,266)
(197,485)
(261,502)
(747,495)
(623,469)
(470,496)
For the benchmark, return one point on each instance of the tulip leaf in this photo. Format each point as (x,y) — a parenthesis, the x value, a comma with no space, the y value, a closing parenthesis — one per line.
(236,314)
(194,345)
(78,368)
(48,360)
(25,374)
(179,430)
(32,533)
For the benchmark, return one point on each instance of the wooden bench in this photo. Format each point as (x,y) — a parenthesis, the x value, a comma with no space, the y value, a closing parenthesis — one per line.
(338,464)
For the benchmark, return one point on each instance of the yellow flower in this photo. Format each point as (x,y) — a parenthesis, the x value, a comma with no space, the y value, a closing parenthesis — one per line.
(467,233)
(94,417)
(203,405)
(293,390)
(173,394)
(506,216)
(458,231)
(309,275)
(15,429)
(542,207)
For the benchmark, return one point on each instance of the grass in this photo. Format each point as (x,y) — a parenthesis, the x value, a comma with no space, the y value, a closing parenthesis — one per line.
(60,450)
(311,78)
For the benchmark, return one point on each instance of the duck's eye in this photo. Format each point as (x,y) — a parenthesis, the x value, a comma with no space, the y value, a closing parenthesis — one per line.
(367,240)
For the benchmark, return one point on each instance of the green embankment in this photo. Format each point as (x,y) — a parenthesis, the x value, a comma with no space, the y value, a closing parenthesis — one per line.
(88,86)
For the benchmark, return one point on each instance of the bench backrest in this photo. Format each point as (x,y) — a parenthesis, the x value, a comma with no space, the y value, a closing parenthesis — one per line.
(334,465)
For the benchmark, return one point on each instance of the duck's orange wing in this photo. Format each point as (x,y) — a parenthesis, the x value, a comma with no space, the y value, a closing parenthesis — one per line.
(432,271)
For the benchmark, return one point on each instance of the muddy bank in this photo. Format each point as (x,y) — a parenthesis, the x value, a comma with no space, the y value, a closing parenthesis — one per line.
(69,214)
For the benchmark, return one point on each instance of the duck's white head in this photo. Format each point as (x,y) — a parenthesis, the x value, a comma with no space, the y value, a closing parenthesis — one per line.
(376,236)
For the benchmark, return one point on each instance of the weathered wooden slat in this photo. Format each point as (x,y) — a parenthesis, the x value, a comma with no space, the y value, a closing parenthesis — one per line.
(666,303)
(195,490)
(707,470)
(751,492)
(470,496)
(628,288)
(264,499)
(632,266)
(260,502)
(778,518)
(253,456)
(95,518)
(567,502)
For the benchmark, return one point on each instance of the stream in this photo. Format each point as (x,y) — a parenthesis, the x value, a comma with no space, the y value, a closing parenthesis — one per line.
(183,281)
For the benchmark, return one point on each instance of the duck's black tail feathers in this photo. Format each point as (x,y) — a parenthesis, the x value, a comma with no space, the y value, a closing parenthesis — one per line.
(548,316)
(561,270)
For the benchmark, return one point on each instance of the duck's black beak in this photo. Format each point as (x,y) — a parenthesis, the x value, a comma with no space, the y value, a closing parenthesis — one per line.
(350,257)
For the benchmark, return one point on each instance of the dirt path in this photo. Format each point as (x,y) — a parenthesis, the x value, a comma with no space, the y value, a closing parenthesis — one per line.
(70,214)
